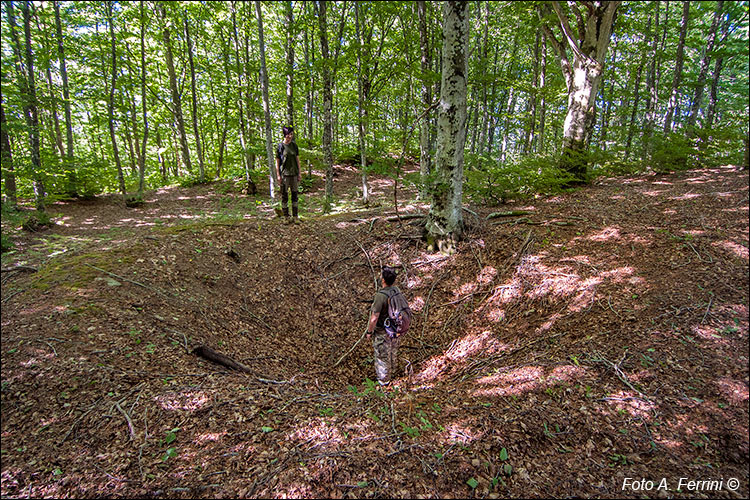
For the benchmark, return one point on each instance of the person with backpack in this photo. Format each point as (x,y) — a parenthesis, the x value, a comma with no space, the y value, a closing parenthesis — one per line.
(289,170)
(390,317)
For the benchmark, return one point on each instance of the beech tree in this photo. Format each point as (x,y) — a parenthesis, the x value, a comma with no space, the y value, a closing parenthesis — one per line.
(588,48)
(445,219)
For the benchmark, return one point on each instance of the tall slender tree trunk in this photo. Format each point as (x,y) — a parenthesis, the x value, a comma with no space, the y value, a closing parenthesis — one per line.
(705,61)
(196,130)
(289,63)
(543,99)
(6,161)
(266,104)
(64,76)
(362,87)
(445,218)
(425,159)
(636,93)
(111,103)
(175,91)
(652,95)
(327,104)
(711,112)
(24,63)
(144,107)
(57,132)
(244,146)
(674,97)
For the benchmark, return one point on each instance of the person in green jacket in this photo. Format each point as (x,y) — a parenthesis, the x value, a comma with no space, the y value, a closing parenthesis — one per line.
(288,168)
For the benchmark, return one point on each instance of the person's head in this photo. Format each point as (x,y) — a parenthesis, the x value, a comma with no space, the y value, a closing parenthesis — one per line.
(389,276)
(288,131)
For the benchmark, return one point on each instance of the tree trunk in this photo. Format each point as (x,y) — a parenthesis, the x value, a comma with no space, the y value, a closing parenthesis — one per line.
(705,61)
(176,98)
(652,95)
(289,64)
(425,160)
(64,75)
(327,104)
(111,104)
(6,160)
(266,104)
(142,155)
(636,92)
(362,88)
(445,218)
(674,97)
(196,130)
(57,133)
(582,76)
(543,99)
(244,146)
(711,112)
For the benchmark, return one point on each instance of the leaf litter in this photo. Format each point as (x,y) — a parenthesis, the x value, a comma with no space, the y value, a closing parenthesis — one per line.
(599,335)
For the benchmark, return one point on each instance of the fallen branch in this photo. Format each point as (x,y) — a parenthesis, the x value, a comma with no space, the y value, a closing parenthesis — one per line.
(710,301)
(513,213)
(126,279)
(20,268)
(218,358)
(127,418)
(350,350)
(374,275)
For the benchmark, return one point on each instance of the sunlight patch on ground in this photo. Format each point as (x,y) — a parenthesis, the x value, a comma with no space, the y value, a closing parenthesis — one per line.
(189,401)
(483,342)
(416,304)
(618,275)
(209,437)
(733,390)
(653,193)
(515,382)
(319,432)
(733,248)
(628,401)
(526,379)
(685,197)
(709,333)
(606,234)
(460,432)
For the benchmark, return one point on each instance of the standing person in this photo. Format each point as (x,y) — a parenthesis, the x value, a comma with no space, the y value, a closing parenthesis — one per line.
(288,168)
(385,331)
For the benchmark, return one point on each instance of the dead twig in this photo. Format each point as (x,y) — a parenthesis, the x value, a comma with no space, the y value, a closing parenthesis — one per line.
(128,280)
(369,261)
(710,301)
(127,418)
(350,350)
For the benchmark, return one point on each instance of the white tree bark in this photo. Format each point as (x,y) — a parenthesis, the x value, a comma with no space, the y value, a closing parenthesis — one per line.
(583,74)
(266,104)
(445,219)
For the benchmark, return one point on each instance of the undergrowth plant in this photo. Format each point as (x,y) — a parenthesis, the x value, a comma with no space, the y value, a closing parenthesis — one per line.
(489,182)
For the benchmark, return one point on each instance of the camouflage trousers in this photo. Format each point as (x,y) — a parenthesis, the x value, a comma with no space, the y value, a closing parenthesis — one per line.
(289,183)
(386,361)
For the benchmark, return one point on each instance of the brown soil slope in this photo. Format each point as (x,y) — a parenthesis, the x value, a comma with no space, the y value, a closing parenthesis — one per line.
(601,335)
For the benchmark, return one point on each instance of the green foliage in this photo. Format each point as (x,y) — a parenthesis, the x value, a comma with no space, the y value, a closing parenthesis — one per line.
(490,183)
(672,153)
(36,220)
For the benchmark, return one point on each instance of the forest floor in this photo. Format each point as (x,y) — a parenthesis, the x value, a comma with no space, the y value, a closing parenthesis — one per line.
(599,336)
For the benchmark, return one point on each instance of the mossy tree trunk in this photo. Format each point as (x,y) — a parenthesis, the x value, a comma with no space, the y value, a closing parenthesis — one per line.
(445,219)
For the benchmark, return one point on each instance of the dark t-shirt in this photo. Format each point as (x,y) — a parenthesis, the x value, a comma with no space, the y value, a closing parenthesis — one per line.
(380,304)
(287,156)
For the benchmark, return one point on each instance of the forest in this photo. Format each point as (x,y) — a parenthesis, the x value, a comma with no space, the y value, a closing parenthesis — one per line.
(562,188)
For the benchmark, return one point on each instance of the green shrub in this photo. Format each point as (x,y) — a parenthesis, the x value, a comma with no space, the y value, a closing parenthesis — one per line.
(672,153)
(490,183)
